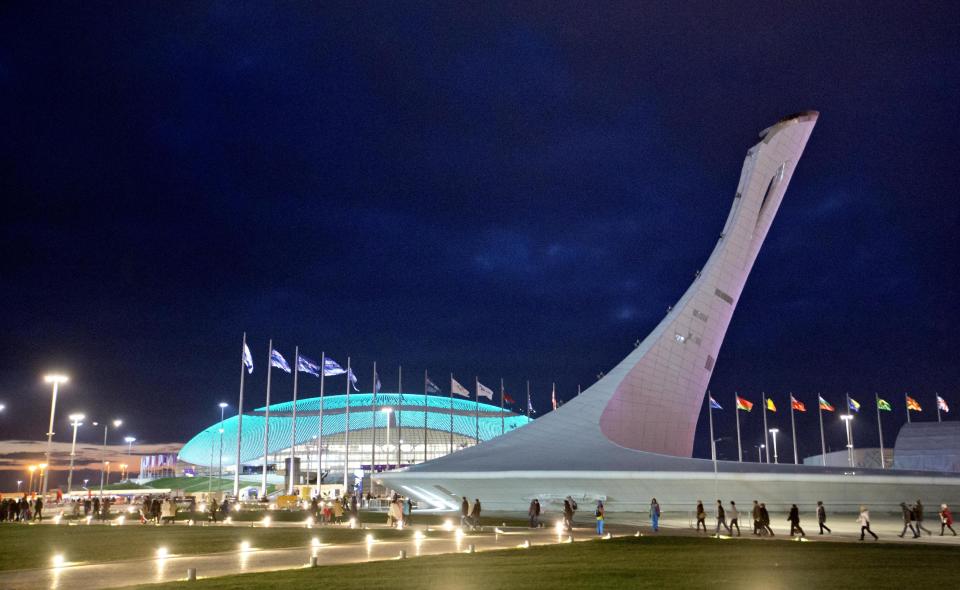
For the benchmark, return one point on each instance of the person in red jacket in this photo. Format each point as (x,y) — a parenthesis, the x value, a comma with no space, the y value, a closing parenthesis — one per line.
(946,520)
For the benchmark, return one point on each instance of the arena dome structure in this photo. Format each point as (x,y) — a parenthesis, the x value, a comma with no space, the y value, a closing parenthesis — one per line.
(409,428)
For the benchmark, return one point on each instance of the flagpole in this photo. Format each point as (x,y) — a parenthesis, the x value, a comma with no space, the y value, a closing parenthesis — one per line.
(373,430)
(426,379)
(477,407)
(937,395)
(853,460)
(766,433)
(876,399)
(907,406)
(323,374)
(736,411)
(823,440)
(502,422)
(713,445)
(266,425)
(528,399)
(451,415)
(793,430)
(293,425)
(399,407)
(236,476)
(346,437)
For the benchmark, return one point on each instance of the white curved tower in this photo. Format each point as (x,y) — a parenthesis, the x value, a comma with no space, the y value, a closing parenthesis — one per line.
(635,426)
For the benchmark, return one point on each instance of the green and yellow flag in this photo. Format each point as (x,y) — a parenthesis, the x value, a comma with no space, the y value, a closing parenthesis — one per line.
(884,405)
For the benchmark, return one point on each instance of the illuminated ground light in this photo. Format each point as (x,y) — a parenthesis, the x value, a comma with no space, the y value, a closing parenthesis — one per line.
(418,536)
(121,519)
(448,525)
(56,519)
(265,521)
(58,560)
(370,539)
(524,545)
(131,509)
(308,522)
(228,520)
(162,553)
(353,523)
(315,543)
(558,527)
(459,534)
(89,519)
(245,546)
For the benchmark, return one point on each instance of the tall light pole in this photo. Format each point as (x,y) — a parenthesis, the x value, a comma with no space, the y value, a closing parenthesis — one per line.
(847,420)
(107,464)
(760,452)
(129,440)
(19,481)
(223,406)
(76,420)
(103,452)
(386,412)
(774,432)
(31,469)
(43,469)
(54,380)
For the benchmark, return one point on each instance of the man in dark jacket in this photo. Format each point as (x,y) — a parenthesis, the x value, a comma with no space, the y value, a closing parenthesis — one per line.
(755,513)
(822,517)
(794,519)
(721,518)
(475,513)
(765,519)
(918,514)
(464,511)
(38,509)
(908,517)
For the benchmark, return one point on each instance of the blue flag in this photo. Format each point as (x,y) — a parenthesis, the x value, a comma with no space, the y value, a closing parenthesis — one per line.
(277,360)
(714,404)
(247,358)
(352,378)
(305,365)
(432,387)
(376,386)
(331,368)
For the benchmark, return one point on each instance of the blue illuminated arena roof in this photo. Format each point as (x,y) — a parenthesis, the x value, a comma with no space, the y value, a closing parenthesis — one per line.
(410,412)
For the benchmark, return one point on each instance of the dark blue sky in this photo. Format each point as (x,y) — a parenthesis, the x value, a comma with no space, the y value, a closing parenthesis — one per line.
(495,190)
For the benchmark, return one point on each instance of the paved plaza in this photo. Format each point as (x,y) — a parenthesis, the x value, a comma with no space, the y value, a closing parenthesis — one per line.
(435,542)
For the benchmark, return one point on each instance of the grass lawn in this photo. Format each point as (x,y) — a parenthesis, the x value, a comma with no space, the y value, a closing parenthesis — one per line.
(630,563)
(26,546)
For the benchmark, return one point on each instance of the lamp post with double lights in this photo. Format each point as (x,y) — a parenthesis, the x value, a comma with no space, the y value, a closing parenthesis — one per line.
(848,423)
(774,432)
(104,464)
(76,420)
(56,380)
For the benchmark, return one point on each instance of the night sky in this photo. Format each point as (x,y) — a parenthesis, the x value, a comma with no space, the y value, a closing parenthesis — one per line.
(497,190)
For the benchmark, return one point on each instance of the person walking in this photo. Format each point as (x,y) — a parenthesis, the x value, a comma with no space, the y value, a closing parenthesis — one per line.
(213,510)
(337,512)
(599,514)
(567,516)
(408,512)
(765,520)
(701,516)
(224,510)
(908,517)
(755,514)
(38,509)
(864,521)
(918,514)
(734,517)
(721,518)
(655,514)
(475,513)
(946,520)
(464,511)
(533,512)
(794,518)
(822,517)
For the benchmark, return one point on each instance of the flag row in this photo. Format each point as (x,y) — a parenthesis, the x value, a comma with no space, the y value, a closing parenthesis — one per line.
(912,405)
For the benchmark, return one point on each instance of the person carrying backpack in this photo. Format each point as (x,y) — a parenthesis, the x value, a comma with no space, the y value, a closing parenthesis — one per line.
(600,515)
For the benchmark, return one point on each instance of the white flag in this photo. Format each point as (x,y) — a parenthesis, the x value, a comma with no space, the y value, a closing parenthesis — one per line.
(458,389)
(484,391)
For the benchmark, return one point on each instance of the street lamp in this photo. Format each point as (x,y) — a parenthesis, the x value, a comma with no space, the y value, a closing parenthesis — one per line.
(103,451)
(19,481)
(54,380)
(223,406)
(387,412)
(759,452)
(85,483)
(76,420)
(123,471)
(848,422)
(129,440)
(774,432)
(43,469)
(107,465)
(31,469)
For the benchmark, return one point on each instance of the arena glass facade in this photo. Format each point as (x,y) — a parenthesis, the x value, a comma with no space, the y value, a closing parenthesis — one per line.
(419,429)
